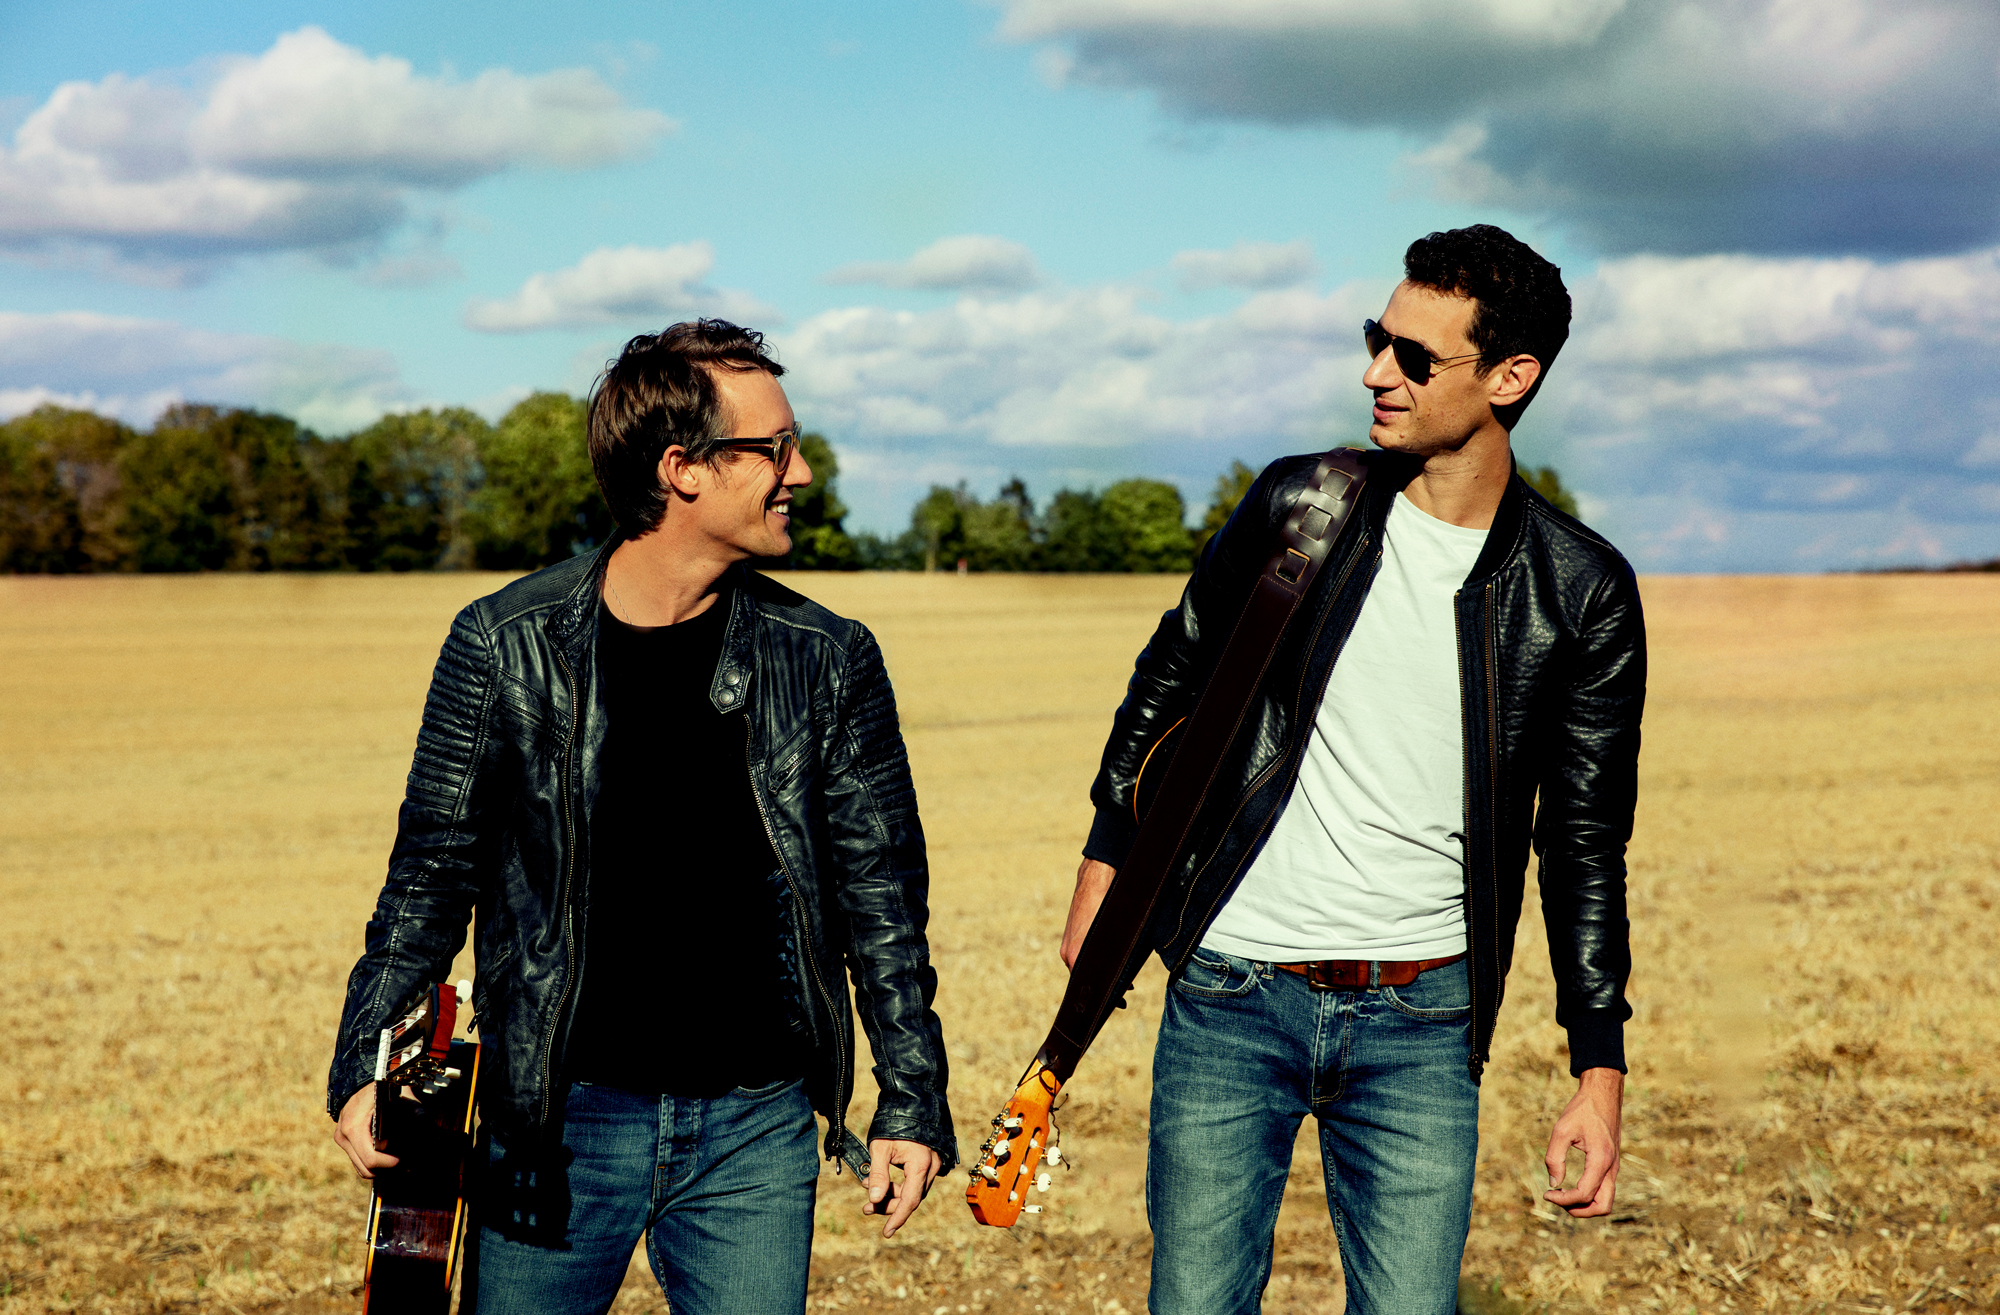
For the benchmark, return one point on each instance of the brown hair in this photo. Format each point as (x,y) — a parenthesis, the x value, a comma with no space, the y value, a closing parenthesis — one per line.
(1520,305)
(660,393)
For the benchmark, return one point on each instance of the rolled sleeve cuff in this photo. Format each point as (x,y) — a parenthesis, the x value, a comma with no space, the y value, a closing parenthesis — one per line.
(1111,837)
(920,1131)
(1596,1040)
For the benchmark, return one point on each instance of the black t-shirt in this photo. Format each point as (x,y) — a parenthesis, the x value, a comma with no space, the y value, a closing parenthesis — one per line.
(688,937)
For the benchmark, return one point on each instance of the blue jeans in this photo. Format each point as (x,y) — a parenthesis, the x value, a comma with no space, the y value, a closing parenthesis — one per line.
(1245,1051)
(722,1188)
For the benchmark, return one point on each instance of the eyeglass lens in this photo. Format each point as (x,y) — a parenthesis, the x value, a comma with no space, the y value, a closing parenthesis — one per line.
(1411,357)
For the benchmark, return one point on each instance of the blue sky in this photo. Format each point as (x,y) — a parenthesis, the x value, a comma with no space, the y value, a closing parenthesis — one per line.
(1075,241)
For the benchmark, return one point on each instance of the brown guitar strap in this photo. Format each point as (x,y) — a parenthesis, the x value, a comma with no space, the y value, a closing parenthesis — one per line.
(1111,953)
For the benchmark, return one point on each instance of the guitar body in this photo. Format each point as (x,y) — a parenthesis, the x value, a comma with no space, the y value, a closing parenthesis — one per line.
(426,1092)
(417,1218)
(1153,769)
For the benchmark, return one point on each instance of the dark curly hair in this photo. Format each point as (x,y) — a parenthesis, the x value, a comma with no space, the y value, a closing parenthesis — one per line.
(658,393)
(1520,306)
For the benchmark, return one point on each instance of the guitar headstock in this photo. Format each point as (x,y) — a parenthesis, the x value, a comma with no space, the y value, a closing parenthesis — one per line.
(413,1051)
(1010,1163)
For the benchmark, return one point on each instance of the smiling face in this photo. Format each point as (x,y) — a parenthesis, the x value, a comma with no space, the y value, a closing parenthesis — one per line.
(1456,403)
(742,504)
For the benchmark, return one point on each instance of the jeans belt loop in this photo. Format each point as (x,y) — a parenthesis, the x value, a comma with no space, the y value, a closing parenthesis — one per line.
(1374,974)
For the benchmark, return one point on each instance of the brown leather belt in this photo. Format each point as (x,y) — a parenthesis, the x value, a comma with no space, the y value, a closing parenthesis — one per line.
(1352,974)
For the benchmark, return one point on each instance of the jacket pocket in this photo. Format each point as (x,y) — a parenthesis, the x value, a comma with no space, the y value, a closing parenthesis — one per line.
(790,762)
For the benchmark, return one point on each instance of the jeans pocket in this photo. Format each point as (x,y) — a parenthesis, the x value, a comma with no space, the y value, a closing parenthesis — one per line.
(1442,994)
(1210,975)
(767,1090)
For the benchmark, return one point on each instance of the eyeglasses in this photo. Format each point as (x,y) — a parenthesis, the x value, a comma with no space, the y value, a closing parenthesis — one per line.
(779,447)
(1412,357)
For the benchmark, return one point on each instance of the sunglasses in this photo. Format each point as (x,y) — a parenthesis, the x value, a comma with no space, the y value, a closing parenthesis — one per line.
(779,447)
(1412,357)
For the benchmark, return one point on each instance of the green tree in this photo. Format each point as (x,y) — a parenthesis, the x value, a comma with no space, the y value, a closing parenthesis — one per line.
(215,488)
(999,535)
(1546,482)
(538,503)
(59,492)
(1076,536)
(819,543)
(1230,486)
(905,552)
(938,524)
(409,481)
(1148,518)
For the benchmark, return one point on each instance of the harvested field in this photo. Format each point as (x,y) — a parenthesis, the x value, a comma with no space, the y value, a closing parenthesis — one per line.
(201,777)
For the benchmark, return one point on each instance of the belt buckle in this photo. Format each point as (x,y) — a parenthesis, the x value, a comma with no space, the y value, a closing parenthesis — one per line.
(1337,974)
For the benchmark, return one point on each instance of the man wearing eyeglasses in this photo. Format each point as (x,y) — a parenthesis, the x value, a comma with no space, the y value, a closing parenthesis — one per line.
(1462,682)
(673,796)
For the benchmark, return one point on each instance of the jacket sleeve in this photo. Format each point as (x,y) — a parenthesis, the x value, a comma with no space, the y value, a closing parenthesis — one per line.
(1171,670)
(1589,789)
(878,849)
(442,834)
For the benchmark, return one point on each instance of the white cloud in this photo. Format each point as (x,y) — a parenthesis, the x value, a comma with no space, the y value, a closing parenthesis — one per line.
(311,106)
(615,285)
(1558,23)
(1719,413)
(1080,368)
(1778,126)
(312,145)
(1246,265)
(1803,413)
(132,368)
(972,262)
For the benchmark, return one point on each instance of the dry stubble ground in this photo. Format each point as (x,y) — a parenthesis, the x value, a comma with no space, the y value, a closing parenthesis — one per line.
(200,778)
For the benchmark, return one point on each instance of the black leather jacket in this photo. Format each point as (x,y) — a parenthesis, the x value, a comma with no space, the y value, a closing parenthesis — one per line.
(495,826)
(1552,674)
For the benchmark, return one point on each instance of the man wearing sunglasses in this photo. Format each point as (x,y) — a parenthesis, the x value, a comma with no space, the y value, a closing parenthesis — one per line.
(673,797)
(1462,682)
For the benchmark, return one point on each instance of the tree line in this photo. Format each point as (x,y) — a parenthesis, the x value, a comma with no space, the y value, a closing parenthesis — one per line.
(210,488)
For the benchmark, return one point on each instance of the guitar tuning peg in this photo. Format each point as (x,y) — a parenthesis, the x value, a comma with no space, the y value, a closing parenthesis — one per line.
(1054,1155)
(465,990)
(989,1173)
(1001,1151)
(1031,1209)
(1011,1124)
(1042,1181)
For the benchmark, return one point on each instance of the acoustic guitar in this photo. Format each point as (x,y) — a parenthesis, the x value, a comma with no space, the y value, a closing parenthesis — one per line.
(426,1088)
(1169,792)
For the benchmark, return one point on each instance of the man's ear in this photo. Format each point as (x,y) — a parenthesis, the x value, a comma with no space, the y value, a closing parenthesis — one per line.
(1512,381)
(678,473)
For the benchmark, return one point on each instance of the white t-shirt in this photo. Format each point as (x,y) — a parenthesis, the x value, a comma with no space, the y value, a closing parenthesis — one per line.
(1367,861)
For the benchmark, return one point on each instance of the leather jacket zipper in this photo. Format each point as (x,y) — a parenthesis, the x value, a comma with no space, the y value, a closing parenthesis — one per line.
(1295,759)
(562,905)
(1472,1062)
(844,1089)
(1480,1044)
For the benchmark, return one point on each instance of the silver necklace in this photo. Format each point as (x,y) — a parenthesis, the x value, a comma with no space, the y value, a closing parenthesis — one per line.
(619,599)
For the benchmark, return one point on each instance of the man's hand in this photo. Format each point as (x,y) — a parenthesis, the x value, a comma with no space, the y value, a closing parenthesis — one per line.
(920,1165)
(1592,1120)
(1092,880)
(355,1133)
